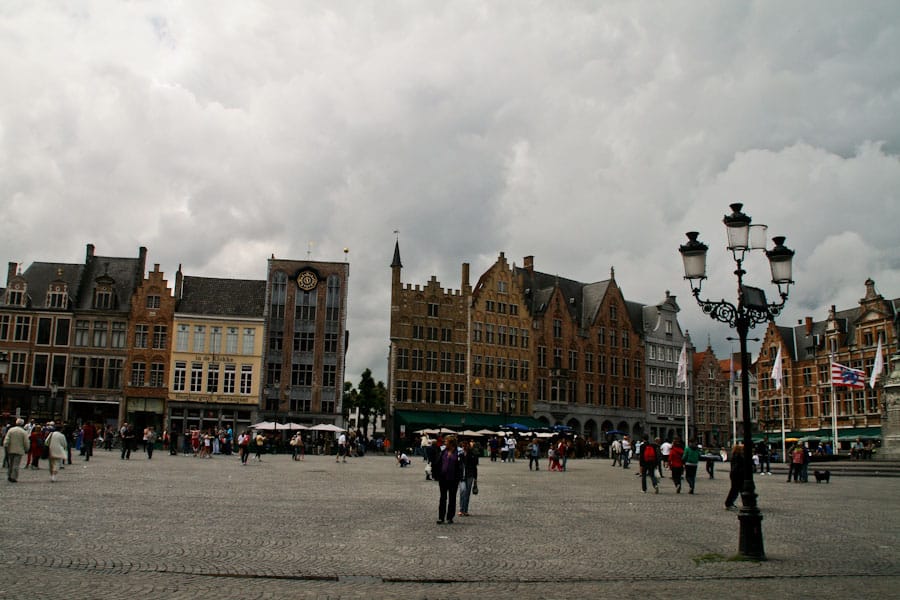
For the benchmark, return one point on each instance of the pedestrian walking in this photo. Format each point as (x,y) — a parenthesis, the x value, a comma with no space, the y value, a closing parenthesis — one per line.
(151,441)
(36,438)
(88,434)
(534,454)
(664,449)
(626,452)
(736,475)
(470,477)
(448,470)
(128,440)
(16,444)
(691,458)
(58,449)
(260,443)
(244,447)
(649,461)
(615,451)
(676,463)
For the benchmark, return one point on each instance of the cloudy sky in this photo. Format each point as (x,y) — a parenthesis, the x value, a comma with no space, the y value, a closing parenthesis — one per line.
(588,134)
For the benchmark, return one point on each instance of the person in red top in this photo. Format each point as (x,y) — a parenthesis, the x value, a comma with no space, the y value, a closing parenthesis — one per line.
(676,463)
(88,434)
(36,437)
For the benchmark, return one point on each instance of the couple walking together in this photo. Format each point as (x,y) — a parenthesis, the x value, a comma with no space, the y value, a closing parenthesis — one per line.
(454,473)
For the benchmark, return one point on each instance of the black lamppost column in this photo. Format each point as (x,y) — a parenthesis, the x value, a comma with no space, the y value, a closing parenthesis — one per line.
(752,309)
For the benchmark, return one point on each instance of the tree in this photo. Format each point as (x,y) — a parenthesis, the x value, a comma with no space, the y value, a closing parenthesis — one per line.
(368,398)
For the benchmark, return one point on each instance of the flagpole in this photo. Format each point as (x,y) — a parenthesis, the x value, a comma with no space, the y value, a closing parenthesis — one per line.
(783,440)
(834,438)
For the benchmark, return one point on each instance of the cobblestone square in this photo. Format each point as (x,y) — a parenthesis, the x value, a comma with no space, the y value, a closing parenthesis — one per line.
(182,527)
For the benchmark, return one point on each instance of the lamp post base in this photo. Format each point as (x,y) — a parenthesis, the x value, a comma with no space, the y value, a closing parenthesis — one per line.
(751,539)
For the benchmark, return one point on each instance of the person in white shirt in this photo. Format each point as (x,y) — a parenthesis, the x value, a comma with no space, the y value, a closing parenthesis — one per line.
(342,448)
(626,452)
(511,448)
(423,446)
(615,451)
(664,449)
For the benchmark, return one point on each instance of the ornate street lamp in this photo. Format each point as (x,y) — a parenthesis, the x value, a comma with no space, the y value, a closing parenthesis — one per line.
(751,310)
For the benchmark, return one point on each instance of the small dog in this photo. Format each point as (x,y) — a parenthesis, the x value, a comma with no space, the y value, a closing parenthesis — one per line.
(822,476)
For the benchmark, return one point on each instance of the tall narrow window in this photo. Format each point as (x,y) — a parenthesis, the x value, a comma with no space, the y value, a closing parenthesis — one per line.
(215,340)
(181,338)
(228,381)
(199,338)
(160,336)
(246,379)
(99,334)
(231,340)
(179,381)
(196,377)
(157,375)
(138,373)
(212,378)
(119,334)
(141,333)
(249,341)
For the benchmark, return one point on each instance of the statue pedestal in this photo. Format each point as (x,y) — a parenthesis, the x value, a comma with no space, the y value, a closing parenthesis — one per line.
(890,416)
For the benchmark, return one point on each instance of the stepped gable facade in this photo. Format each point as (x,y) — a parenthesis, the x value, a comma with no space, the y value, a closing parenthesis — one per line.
(429,347)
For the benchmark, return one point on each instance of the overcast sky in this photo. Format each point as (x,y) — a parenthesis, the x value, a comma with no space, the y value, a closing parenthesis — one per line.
(588,134)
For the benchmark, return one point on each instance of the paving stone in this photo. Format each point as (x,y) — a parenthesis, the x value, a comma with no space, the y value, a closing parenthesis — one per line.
(181,527)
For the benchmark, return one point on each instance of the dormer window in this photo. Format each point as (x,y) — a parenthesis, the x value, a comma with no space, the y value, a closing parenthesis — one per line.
(102,299)
(14,297)
(57,297)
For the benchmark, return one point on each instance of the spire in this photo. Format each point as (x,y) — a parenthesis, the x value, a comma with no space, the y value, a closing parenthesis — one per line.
(396,262)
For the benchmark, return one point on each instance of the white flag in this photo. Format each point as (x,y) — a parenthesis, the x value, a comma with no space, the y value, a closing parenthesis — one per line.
(879,366)
(682,365)
(776,370)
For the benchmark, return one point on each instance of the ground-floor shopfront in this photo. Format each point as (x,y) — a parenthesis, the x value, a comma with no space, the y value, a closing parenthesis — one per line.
(183,417)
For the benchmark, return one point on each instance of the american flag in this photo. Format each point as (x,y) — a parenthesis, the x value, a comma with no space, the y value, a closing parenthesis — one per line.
(847,377)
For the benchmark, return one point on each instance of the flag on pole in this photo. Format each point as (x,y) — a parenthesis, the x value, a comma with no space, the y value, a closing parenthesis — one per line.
(776,370)
(879,366)
(731,374)
(845,376)
(682,365)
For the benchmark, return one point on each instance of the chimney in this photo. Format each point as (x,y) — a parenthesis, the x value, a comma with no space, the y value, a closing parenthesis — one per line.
(178,278)
(156,267)
(142,259)
(11,271)
(465,275)
(809,325)
(529,264)
(90,253)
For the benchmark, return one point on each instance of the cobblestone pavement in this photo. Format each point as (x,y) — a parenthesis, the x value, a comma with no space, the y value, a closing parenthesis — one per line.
(181,527)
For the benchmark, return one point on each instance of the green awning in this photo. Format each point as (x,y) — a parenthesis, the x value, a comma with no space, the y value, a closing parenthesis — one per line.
(421,419)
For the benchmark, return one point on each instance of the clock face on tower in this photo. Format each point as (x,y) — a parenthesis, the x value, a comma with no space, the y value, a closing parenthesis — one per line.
(307,280)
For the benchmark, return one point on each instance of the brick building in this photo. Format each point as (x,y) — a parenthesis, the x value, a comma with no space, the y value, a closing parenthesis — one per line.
(147,362)
(712,415)
(848,337)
